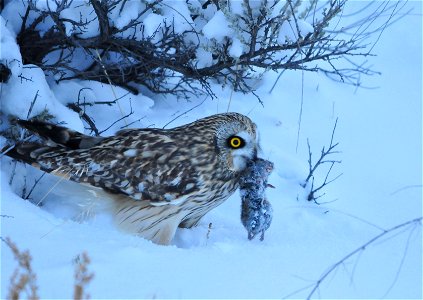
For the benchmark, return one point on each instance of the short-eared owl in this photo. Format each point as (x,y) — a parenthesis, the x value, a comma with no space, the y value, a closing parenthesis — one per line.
(159,179)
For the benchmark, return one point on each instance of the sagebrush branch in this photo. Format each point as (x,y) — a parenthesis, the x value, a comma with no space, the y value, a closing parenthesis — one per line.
(132,58)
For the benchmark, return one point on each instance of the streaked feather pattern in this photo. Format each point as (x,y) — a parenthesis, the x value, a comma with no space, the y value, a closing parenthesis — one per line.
(160,178)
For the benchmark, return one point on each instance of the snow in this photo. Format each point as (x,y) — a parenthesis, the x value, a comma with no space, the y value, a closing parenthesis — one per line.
(379,133)
(218,27)
(9,13)
(236,48)
(171,12)
(205,58)
(46,5)
(88,92)
(290,29)
(30,85)
(130,11)
(152,24)
(80,13)
(9,51)
(178,12)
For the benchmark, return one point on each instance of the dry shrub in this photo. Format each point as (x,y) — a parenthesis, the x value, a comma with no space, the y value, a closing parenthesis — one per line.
(82,277)
(23,279)
(23,282)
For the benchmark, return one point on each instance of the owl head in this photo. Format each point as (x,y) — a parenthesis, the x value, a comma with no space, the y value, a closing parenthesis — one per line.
(236,141)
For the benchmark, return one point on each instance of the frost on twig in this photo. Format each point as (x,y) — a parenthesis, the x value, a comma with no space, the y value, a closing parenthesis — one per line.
(325,158)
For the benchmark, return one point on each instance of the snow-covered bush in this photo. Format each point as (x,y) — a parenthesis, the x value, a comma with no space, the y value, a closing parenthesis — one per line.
(180,47)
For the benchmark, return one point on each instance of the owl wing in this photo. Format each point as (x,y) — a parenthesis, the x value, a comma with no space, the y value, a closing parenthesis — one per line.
(142,164)
(161,177)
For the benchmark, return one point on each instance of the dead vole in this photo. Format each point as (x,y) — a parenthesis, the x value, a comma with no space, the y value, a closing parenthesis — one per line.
(256,211)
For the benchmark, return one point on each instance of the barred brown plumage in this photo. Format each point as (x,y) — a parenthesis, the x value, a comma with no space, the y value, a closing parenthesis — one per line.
(159,178)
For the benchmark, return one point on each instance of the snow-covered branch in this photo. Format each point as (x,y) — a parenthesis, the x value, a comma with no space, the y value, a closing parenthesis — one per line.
(179,49)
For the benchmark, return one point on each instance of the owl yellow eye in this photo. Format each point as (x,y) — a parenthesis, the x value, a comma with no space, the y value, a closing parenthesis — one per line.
(236,142)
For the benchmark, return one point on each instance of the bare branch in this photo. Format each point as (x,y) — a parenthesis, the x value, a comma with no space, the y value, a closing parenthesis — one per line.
(167,60)
(184,113)
(359,250)
(34,185)
(118,120)
(82,114)
(321,161)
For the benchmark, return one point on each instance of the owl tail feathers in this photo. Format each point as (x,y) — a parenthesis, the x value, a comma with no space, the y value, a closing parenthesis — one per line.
(27,152)
(59,135)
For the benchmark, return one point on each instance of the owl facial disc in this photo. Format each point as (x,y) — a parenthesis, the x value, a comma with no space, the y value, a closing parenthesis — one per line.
(246,152)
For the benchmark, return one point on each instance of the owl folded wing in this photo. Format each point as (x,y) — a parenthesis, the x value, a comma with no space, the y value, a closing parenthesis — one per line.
(126,171)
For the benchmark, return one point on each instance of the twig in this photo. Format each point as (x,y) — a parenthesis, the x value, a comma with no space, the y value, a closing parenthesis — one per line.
(321,161)
(34,185)
(84,116)
(384,27)
(232,90)
(6,216)
(120,119)
(63,177)
(276,81)
(358,250)
(209,229)
(133,122)
(31,107)
(185,112)
(300,115)
(406,188)
(324,153)
(401,264)
(312,195)
(110,81)
(359,219)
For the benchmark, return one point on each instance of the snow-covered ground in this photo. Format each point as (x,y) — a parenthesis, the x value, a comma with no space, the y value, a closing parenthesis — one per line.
(379,133)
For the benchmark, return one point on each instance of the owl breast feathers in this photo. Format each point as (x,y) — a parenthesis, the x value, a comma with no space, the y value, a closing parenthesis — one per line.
(159,179)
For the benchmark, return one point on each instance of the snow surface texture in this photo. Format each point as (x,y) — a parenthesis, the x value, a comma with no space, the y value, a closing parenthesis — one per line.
(380,135)
(256,210)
